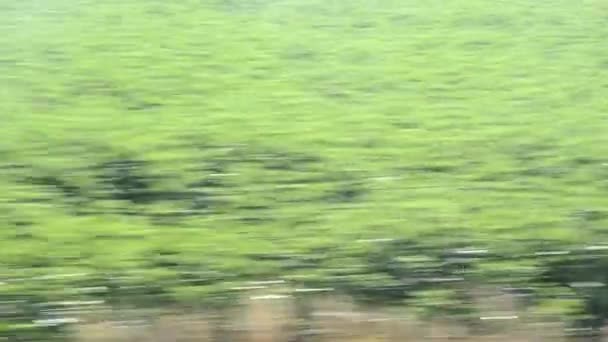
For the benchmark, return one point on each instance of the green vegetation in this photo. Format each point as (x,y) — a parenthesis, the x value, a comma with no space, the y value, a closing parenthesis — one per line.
(173,149)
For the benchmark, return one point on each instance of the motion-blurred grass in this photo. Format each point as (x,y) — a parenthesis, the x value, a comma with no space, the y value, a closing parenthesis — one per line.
(239,140)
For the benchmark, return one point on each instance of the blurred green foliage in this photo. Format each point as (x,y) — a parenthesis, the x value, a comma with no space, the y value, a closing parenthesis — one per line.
(164,151)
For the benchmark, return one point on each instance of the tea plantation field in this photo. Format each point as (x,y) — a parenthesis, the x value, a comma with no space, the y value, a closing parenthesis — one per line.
(174,149)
